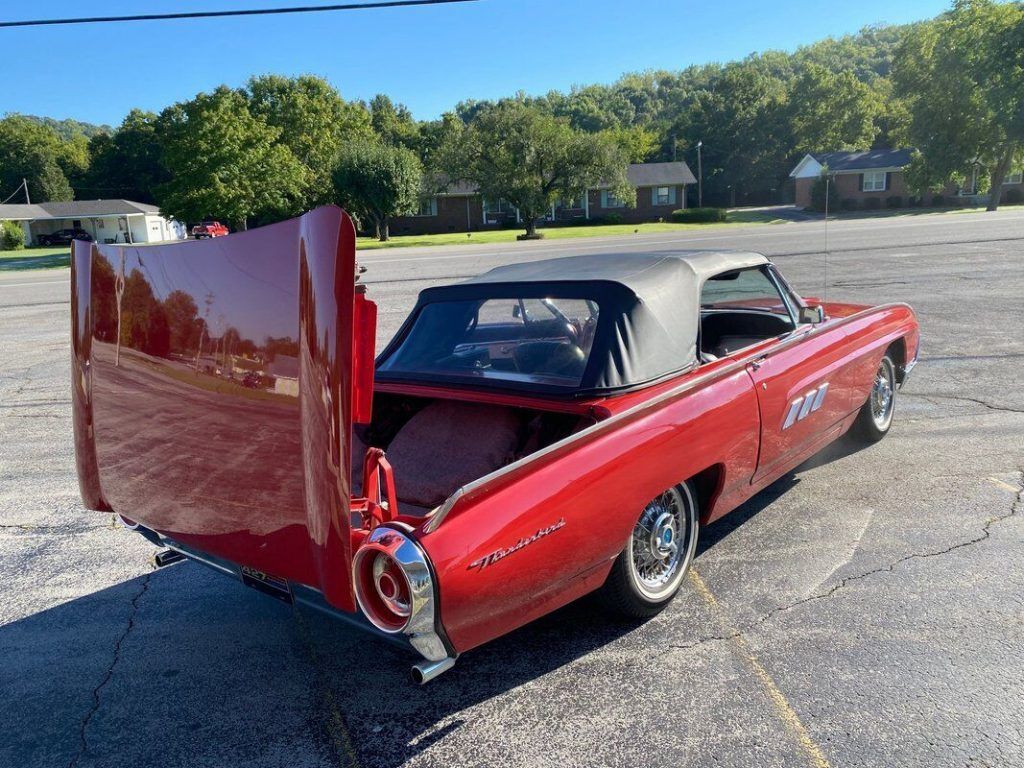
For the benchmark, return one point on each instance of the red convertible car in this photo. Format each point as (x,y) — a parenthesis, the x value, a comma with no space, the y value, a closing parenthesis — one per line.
(537,433)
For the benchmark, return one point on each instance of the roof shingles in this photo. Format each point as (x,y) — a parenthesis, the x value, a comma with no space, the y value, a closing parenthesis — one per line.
(75,209)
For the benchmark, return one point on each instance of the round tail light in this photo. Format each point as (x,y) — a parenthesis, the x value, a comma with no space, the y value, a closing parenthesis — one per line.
(382,585)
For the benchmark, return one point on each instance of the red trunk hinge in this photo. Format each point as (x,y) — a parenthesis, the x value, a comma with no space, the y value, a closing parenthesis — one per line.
(374,506)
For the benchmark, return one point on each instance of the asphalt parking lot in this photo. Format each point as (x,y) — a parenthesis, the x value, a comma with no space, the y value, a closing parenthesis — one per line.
(866,610)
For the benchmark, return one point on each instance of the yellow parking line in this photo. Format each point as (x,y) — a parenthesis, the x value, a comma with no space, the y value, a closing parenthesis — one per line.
(336,727)
(782,706)
(1005,485)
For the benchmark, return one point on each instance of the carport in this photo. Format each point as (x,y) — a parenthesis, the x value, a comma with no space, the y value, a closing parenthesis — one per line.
(108,221)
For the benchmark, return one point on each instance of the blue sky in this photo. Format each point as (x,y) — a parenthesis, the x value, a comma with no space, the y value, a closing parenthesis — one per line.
(428,58)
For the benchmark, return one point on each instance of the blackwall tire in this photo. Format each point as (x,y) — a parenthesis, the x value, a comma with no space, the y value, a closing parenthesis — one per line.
(876,415)
(649,571)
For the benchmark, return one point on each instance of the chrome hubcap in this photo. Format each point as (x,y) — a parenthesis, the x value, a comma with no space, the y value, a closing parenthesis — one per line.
(659,544)
(882,400)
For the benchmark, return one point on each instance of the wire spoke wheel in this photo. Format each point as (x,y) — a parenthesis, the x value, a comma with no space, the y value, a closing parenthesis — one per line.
(662,544)
(882,399)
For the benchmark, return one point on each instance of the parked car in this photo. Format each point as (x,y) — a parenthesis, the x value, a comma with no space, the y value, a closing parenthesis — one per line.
(64,237)
(209,229)
(540,432)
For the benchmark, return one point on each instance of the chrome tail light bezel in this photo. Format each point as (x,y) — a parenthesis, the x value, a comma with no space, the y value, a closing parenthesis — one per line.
(420,626)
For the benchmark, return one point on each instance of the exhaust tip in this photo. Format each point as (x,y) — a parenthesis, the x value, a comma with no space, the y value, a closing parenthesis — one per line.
(425,671)
(167,557)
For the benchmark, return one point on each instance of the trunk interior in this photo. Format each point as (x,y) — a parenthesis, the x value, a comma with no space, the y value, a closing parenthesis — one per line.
(437,445)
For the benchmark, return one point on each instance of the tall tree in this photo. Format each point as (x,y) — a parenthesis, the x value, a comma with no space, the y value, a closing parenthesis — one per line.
(519,153)
(962,75)
(393,123)
(227,163)
(742,119)
(314,121)
(32,151)
(832,110)
(128,163)
(376,181)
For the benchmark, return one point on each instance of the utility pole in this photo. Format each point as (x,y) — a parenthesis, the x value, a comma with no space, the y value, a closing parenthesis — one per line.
(24,183)
(700,176)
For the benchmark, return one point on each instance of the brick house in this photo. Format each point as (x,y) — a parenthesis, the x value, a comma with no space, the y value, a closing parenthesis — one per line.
(879,174)
(660,189)
(858,176)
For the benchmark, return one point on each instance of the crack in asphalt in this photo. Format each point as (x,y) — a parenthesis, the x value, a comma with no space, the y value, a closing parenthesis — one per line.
(931,397)
(83,743)
(32,403)
(36,304)
(986,532)
(35,527)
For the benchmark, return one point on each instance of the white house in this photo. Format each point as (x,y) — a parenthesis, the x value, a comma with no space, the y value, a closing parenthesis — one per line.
(108,221)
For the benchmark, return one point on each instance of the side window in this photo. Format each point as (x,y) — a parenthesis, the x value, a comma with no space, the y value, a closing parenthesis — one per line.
(749,289)
(739,309)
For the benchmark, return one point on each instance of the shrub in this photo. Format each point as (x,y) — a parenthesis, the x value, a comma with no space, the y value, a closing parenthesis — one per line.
(1013,197)
(699,215)
(818,195)
(895,201)
(938,201)
(12,236)
(608,218)
(872,204)
(849,204)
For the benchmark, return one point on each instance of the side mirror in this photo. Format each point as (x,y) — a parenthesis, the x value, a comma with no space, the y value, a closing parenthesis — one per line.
(812,315)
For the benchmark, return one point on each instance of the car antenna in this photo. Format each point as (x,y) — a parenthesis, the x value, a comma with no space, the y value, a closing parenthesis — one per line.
(828,178)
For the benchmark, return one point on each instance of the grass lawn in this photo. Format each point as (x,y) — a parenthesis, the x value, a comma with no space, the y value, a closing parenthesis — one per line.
(35,258)
(559,233)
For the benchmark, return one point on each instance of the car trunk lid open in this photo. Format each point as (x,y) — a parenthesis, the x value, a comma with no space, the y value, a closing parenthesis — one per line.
(215,385)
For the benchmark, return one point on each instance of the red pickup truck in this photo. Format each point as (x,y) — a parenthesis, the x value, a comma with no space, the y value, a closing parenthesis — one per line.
(209,229)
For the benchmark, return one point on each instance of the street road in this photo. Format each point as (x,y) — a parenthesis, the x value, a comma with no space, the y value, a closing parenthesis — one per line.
(866,610)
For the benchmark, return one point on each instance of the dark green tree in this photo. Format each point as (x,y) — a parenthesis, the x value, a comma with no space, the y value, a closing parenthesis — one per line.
(393,123)
(519,153)
(34,152)
(128,163)
(314,122)
(962,75)
(832,110)
(376,181)
(227,163)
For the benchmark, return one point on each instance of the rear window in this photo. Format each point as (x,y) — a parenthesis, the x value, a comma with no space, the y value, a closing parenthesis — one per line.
(526,340)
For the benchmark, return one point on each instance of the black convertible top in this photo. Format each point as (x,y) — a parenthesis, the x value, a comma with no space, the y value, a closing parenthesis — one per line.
(650,306)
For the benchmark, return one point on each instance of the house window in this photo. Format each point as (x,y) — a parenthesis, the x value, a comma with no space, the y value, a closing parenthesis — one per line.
(427,207)
(573,204)
(495,207)
(874,181)
(663,195)
(1017,177)
(609,200)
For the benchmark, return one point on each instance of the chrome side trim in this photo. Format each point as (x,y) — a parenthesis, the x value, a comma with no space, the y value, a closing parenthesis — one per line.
(700,380)
(806,407)
(222,566)
(820,397)
(909,366)
(794,409)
